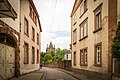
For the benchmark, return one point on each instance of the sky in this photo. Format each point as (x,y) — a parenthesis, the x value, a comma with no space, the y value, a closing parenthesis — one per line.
(55,22)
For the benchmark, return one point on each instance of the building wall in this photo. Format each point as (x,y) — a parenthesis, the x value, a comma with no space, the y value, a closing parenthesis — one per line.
(13,23)
(24,68)
(93,38)
(118,9)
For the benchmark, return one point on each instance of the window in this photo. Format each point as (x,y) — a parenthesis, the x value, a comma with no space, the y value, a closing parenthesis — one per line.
(83,57)
(38,56)
(30,12)
(83,29)
(98,54)
(83,7)
(33,15)
(74,37)
(74,19)
(35,20)
(26,26)
(33,55)
(37,38)
(33,34)
(74,59)
(26,57)
(98,18)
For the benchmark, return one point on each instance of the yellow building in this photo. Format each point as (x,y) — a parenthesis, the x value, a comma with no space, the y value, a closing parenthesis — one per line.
(93,25)
(30,29)
(9,38)
(19,38)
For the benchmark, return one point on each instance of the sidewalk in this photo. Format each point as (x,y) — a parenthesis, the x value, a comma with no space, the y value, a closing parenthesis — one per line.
(79,76)
(37,75)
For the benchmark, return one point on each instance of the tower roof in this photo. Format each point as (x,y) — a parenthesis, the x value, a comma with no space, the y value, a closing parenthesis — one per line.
(50,45)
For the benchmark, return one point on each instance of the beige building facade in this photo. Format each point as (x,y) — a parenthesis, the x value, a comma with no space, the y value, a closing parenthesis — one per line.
(93,25)
(9,38)
(20,32)
(30,29)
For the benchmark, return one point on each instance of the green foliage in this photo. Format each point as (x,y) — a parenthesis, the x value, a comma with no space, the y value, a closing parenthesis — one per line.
(47,57)
(116,44)
(53,56)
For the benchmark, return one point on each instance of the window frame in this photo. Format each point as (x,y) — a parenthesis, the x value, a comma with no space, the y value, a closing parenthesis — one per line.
(33,55)
(95,55)
(74,20)
(38,38)
(83,25)
(30,11)
(26,27)
(85,8)
(35,20)
(83,57)
(33,34)
(33,15)
(38,55)
(26,62)
(97,11)
(74,36)
(74,58)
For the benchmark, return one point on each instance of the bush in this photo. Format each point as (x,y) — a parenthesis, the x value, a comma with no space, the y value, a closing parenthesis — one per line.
(116,44)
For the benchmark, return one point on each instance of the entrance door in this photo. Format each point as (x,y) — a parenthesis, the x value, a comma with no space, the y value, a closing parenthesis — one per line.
(7,62)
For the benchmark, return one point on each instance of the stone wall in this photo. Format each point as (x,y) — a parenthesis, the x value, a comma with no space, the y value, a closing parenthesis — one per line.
(61,64)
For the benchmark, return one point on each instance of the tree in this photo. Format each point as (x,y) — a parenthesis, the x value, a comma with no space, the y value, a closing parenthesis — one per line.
(116,44)
(51,56)
(116,50)
(42,57)
(48,58)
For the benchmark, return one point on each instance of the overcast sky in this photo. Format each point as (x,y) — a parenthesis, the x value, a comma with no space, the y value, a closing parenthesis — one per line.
(55,21)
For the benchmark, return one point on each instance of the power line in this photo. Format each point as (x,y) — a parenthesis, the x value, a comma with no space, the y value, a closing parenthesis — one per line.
(52,19)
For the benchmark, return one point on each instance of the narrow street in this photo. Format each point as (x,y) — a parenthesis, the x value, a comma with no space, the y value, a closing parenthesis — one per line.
(55,74)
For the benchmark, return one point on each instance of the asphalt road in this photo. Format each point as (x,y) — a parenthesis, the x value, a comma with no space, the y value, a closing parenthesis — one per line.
(56,74)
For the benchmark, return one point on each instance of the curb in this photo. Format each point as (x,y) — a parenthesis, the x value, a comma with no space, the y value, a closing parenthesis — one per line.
(44,75)
(68,73)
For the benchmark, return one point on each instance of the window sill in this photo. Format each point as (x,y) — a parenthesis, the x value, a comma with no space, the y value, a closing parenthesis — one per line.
(26,34)
(98,65)
(33,40)
(26,62)
(37,62)
(74,43)
(83,64)
(97,30)
(74,23)
(83,13)
(83,38)
(33,62)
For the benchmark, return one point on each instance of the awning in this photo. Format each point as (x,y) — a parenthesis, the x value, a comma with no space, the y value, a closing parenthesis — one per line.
(6,10)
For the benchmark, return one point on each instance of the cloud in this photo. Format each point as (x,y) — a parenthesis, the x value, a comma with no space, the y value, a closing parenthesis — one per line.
(62,42)
(62,33)
(59,31)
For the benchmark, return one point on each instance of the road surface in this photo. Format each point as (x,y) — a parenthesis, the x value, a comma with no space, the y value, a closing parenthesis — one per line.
(56,74)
